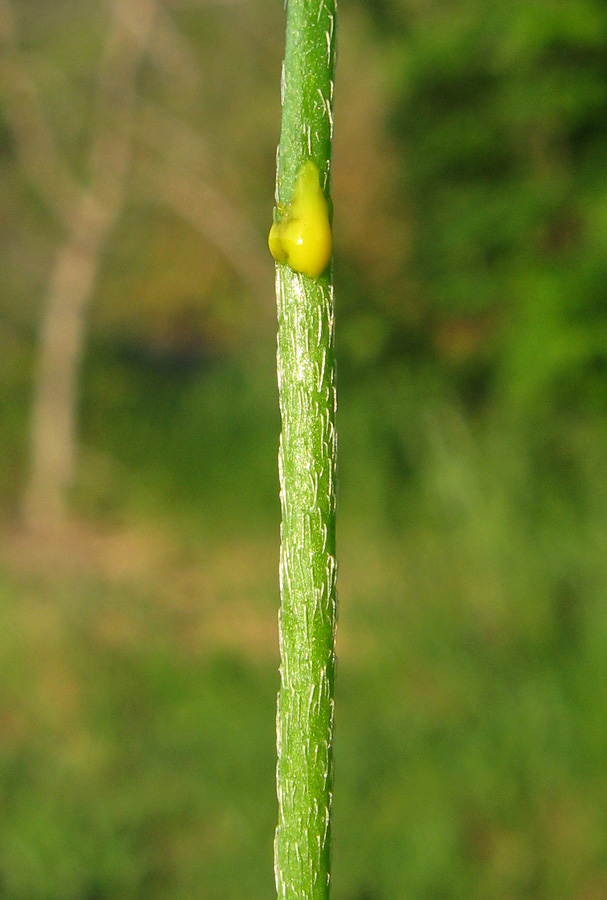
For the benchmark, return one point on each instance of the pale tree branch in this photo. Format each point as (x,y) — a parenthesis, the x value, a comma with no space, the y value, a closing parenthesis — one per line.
(176,143)
(195,4)
(112,138)
(34,141)
(220,224)
(175,182)
(172,53)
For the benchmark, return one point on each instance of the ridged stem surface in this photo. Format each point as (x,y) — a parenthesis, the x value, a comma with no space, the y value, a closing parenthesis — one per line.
(306,379)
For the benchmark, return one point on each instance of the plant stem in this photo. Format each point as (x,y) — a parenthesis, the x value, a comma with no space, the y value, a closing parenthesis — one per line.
(306,379)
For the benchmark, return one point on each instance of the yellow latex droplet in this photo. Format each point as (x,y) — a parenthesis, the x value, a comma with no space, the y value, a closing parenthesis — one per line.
(303,237)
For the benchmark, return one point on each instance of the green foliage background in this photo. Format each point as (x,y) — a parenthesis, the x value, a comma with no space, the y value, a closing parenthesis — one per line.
(139,658)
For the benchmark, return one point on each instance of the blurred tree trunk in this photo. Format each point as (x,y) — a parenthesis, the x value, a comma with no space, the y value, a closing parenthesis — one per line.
(88,214)
(62,338)
(72,282)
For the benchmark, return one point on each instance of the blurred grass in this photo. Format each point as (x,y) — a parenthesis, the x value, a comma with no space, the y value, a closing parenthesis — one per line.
(137,748)
(139,663)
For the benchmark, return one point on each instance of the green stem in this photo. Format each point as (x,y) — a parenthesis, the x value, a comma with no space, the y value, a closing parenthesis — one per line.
(306,377)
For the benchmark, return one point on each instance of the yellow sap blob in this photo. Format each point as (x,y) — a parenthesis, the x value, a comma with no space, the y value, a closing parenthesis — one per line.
(302,238)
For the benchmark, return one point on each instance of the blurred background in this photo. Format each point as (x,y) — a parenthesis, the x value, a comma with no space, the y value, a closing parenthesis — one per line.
(138,444)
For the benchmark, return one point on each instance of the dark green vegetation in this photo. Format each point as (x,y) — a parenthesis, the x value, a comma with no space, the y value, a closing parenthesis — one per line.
(139,667)
(138,717)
